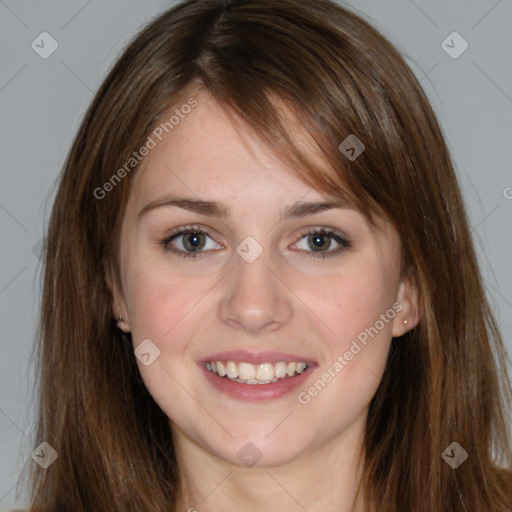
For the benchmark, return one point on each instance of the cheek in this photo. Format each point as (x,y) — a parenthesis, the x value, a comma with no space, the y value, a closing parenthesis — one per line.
(159,299)
(352,301)
(357,306)
(355,354)
(163,308)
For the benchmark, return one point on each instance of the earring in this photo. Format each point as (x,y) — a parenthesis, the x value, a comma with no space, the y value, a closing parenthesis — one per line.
(405,321)
(121,323)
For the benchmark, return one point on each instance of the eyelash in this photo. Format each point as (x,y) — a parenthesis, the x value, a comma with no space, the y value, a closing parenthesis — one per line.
(343,242)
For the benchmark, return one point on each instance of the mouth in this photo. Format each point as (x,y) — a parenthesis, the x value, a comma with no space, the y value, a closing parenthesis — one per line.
(263,373)
(263,376)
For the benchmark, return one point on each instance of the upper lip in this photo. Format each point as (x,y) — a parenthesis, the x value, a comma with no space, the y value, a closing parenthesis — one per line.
(256,357)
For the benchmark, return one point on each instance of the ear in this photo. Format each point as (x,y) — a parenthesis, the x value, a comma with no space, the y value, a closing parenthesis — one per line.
(118,304)
(408,296)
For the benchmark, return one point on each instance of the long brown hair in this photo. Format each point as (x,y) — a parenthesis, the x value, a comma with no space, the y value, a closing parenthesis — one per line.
(445,380)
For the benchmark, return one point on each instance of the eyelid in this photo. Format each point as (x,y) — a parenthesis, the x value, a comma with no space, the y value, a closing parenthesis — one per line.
(322,229)
(189,227)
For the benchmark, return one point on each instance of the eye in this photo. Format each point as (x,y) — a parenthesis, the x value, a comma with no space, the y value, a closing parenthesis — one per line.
(189,242)
(192,241)
(322,243)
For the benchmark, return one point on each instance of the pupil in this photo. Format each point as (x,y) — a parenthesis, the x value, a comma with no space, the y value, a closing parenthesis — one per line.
(320,242)
(193,241)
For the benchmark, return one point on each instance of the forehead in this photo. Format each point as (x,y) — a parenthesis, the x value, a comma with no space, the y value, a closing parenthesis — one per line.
(208,151)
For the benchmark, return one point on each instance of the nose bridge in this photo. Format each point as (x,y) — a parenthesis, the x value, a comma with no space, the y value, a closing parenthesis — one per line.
(254,299)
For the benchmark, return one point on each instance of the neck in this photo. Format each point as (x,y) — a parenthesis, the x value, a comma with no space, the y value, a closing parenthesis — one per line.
(324,478)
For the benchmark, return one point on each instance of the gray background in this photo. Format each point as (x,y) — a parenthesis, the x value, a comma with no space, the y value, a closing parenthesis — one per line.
(43,100)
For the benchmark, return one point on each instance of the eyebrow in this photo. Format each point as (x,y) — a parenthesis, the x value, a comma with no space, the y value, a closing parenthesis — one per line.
(212,208)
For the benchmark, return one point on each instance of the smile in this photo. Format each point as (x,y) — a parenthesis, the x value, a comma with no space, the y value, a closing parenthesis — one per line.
(263,373)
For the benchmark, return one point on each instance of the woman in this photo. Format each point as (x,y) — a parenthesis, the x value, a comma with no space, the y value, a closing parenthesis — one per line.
(260,288)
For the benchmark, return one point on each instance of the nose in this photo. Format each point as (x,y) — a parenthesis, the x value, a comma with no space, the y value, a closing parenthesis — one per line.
(254,299)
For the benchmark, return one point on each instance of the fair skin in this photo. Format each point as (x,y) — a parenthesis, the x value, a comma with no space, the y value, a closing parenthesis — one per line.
(285,301)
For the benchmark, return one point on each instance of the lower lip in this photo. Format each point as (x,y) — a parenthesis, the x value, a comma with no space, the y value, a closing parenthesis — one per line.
(270,391)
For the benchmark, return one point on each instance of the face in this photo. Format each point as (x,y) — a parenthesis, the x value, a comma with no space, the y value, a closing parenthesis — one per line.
(224,269)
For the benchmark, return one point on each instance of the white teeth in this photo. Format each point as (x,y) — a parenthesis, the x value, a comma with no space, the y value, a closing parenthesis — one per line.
(300,367)
(221,369)
(246,371)
(263,373)
(231,370)
(290,368)
(280,370)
